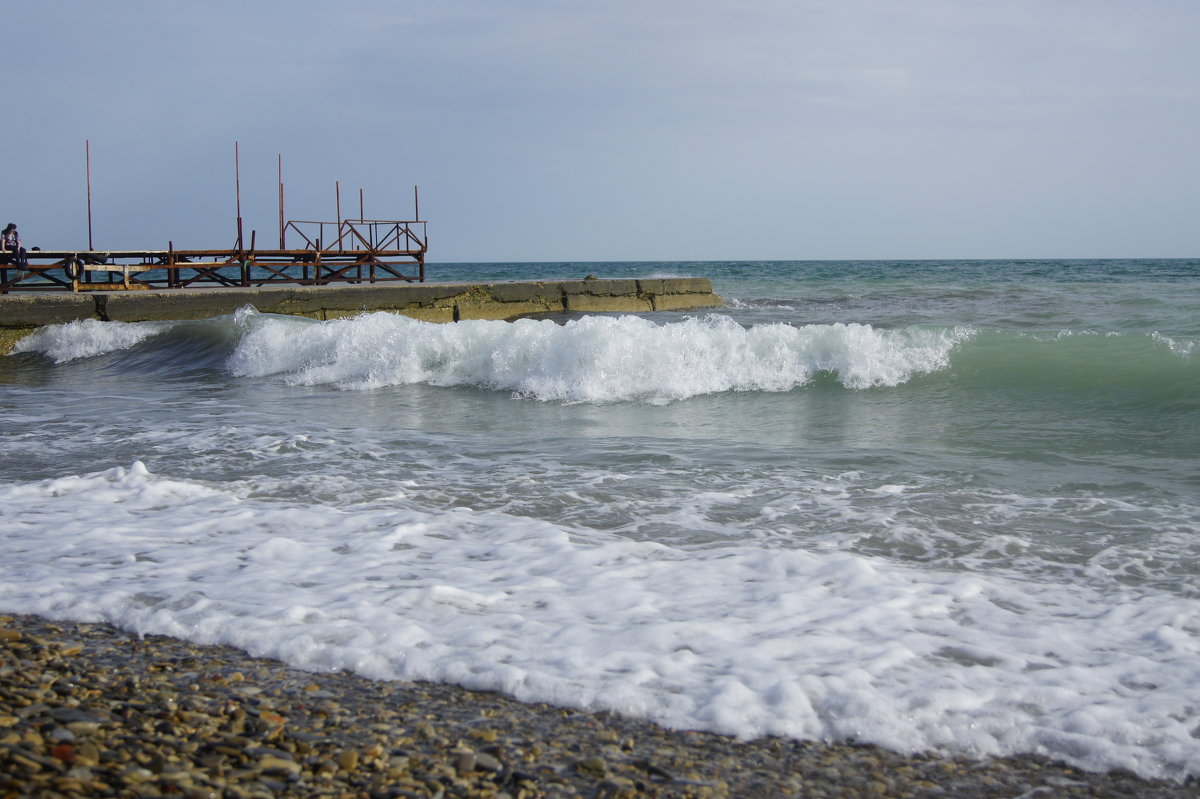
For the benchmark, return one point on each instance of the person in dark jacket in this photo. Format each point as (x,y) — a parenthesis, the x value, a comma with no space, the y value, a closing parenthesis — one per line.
(10,241)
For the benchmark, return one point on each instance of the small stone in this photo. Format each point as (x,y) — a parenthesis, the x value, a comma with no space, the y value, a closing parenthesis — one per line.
(73,715)
(485,762)
(69,785)
(26,763)
(87,754)
(64,752)
(616,788)
(653,770)
(35,709)
(347,759)
(137,774)
(62,734)
(277,765)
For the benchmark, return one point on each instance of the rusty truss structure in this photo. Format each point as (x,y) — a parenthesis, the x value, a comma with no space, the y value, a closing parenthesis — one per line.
(349,251)
(346,251)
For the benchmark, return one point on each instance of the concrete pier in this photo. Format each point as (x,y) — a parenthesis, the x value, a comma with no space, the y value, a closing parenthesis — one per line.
(21,314)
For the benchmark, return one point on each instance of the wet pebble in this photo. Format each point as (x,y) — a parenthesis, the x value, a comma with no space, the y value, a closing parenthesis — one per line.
(86,710)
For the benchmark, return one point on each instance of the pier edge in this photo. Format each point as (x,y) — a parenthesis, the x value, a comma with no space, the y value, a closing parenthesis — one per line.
(21,314)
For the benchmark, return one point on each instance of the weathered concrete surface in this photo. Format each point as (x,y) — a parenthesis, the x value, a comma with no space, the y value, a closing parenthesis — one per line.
(20,314)
(26,314)
(9,336)
(17,310)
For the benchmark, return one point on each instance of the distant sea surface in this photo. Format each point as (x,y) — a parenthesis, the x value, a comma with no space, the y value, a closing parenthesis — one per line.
(925,504)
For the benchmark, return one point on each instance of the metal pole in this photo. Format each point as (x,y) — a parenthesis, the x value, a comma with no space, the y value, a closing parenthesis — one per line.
(88,150)
(246,260)
(281,201)
(237,178)
(337,187)
(416,204)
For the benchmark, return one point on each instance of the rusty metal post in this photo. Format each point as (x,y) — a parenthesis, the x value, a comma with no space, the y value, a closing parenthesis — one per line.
(362,215)
(87,144)
(281,223)
(246,259)
(237,182)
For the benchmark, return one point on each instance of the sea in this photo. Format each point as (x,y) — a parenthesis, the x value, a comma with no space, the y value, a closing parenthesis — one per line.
(929,505)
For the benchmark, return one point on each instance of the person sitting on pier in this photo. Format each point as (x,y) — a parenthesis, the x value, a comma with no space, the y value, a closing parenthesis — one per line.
(10,241)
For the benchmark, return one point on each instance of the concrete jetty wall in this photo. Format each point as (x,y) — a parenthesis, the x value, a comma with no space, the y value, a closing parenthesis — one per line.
(21,314)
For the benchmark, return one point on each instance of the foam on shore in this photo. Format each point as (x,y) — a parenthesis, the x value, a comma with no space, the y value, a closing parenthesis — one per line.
(256,726)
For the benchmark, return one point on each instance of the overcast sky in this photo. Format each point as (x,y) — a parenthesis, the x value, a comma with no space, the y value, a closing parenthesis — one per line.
(542,130)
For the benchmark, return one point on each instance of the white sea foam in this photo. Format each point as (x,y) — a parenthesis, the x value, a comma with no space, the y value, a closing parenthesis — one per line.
(86,338)
(738,637)
(1178,346)
(594,359)
(736,304)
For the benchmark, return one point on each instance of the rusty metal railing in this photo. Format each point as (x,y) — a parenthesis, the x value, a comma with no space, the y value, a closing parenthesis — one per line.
(349,251)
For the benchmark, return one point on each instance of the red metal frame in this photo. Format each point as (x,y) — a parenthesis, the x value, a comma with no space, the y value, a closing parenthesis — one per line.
(349,251)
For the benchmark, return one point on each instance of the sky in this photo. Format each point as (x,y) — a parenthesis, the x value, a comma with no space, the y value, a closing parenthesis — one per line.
(613,130)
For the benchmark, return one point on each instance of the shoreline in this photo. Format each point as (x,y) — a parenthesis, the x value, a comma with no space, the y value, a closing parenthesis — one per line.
(89,710)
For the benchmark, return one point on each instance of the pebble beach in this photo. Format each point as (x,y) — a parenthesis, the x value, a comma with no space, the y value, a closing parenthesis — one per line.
(89,710)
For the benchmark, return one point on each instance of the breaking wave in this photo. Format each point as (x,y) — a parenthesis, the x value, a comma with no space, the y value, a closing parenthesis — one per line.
(604,359)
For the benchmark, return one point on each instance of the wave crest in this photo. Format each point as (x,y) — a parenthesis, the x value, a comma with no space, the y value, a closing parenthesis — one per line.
(86,338)
(593,359)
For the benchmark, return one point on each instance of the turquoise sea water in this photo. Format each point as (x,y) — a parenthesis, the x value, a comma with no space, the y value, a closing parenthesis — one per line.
(925,504)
